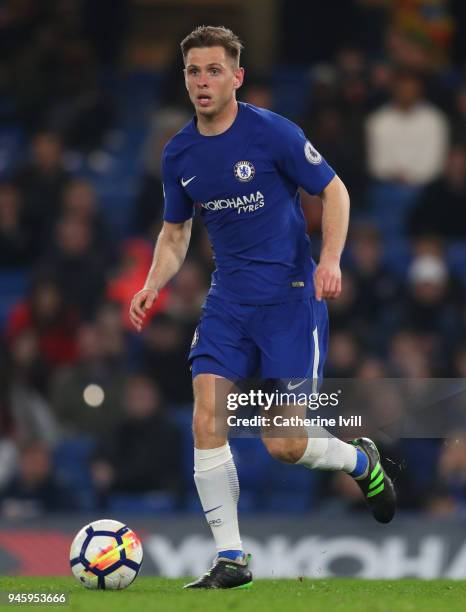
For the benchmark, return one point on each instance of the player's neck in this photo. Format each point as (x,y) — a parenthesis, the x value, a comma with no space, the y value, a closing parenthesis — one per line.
(215,125)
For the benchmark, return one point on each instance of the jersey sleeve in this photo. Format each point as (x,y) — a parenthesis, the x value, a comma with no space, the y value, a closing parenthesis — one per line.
(298,159)
(177,205)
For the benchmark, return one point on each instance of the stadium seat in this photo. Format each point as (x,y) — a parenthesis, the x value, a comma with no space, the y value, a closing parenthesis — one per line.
(456,259)
(421,457)
(156,502)
(289,83)
(14,285)
(397,255)
(290,488)
(182,417)
(12,148)
(390,204)
(71,465)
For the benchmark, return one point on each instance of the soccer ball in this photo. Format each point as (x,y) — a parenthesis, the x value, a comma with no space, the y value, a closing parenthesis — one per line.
(106,554)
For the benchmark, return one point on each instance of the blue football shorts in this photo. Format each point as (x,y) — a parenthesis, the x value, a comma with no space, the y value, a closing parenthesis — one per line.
(275,341)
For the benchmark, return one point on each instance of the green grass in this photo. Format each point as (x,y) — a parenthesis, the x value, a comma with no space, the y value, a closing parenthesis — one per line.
(299,595)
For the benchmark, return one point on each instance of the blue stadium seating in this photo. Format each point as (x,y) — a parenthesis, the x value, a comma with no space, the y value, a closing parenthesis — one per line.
(14,285)
(291,488)
(71,465)
(397,255)
(154,503)
(12,148)
(456,259)
(390,204)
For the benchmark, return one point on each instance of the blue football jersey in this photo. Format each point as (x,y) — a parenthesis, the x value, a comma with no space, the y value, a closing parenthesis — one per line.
(244,184)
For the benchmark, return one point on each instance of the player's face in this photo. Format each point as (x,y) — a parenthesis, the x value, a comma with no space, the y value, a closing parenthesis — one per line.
(211,79)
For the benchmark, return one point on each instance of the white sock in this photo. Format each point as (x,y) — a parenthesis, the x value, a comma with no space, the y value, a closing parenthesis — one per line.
(217,484)
(325,452)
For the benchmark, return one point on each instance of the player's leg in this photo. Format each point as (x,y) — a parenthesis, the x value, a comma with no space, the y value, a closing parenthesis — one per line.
(302,349)
(214,469)
(218,346)
(294,338)
(217,481)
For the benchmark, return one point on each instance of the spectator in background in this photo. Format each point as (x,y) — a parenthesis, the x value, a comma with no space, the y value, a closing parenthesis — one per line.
(428,307)
(258,92)
(343,355)
(15,241)
(420,33)
(8,459)
(86,396)
(34,491)
(459,362)
(8,449)
(371,368)
(23,356)
(449,493)
(41,183)
(380,83)
(109,319)
(408,356)
(80,201)
(338,101)
(135,260)
(107,35)
(25,392)
(165,344)
(78,267)
(48,316)
(187,293)
(407,138)
(459,117)
(343,312)
(152,446)
(428,310)
(339,138)
(149,204)
(442,205)
(376,287)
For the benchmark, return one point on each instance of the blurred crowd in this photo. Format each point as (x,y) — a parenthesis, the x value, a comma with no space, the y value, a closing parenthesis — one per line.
(93,415)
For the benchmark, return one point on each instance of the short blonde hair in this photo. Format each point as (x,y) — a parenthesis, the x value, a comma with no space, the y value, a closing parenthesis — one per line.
(213,36)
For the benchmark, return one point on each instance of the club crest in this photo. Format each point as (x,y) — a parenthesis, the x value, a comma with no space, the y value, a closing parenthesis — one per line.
(244,171)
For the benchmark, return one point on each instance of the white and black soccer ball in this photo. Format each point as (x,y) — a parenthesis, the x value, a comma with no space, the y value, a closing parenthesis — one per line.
(106,554)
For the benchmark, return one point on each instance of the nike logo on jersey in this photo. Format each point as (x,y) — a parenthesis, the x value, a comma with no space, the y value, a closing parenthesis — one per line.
(187,181)
(291,387)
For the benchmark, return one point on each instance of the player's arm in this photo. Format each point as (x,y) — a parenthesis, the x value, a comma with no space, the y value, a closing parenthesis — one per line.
(335,219)
(169,254)
(172,243)
(297,158)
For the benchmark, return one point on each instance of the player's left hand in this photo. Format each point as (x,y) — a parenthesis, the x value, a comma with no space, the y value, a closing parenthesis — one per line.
(327,280)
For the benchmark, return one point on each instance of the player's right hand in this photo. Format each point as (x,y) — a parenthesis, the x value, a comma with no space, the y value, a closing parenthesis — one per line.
(141,303)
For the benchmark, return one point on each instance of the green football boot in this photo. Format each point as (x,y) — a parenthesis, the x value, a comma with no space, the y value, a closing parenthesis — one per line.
(376,486)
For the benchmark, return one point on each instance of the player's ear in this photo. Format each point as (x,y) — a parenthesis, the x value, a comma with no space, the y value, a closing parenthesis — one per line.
(185,74)
(239,77)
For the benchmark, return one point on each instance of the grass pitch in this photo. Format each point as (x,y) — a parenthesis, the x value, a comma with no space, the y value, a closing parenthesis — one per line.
(299,595)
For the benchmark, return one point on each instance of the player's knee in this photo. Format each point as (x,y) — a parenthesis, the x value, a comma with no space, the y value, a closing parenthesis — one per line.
(280,449)
(204,421)
(203,424)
